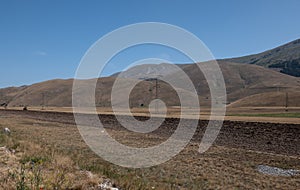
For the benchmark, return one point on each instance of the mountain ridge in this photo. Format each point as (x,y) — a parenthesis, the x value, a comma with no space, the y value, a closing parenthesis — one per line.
(284,58)
(244,80)
(241,81)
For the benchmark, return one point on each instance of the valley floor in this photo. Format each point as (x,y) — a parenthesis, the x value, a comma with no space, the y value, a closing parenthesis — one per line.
(231,163)
(248,114)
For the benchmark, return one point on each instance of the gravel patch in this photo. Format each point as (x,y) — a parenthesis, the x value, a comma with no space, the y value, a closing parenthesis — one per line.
(274,171)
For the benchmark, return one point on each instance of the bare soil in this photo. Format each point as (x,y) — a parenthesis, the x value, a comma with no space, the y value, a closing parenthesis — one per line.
(230,164)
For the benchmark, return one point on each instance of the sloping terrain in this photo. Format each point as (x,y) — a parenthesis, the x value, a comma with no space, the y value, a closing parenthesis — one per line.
(285,58)
(249,84)
(267,99)
(241,81)
(59,93)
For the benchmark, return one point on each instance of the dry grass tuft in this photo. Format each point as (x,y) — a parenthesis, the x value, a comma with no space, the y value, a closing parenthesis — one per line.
(33,167)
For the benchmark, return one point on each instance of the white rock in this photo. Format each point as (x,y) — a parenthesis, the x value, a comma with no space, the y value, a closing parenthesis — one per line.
(6,130)
(107,185)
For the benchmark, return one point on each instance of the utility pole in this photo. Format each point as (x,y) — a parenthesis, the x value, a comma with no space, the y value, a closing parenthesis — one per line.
(156,94)
(151,79)
(156,87)
(43,94)
(286,101)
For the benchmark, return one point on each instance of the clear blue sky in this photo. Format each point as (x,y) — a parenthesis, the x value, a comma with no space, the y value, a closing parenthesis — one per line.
(42,40)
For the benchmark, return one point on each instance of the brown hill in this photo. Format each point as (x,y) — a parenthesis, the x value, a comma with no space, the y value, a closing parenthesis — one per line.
(59,93)
(267,99)
(242,82)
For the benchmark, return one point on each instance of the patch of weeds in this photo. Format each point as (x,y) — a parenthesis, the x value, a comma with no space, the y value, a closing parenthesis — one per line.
(21,179)
(34,160)
(200,184)
(8,141)
(3,139)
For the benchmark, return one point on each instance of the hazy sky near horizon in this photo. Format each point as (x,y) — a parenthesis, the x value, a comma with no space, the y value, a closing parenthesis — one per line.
(43,39)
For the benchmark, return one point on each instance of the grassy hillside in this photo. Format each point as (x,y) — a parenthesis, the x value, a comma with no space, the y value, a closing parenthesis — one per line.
(246,85)
(285,58)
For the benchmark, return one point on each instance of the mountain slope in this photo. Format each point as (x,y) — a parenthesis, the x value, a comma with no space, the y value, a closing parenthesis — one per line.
(285,58)
(242,82)
(59,93)
(250,84)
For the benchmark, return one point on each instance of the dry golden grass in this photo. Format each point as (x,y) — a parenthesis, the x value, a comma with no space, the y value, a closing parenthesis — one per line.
(219,168)
(246,85)
(31,166)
